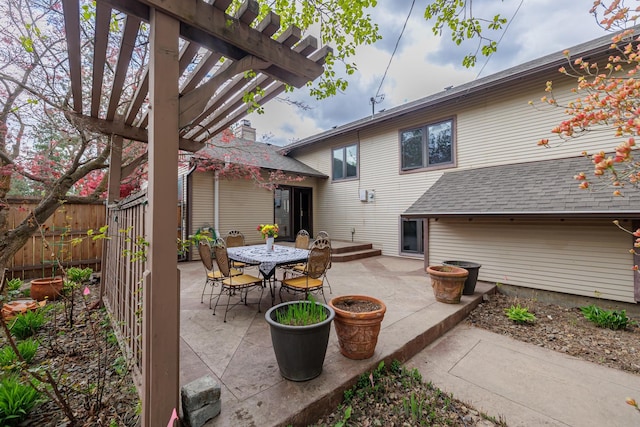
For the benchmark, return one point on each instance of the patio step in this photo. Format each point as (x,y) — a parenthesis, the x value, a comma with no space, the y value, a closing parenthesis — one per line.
(349,251)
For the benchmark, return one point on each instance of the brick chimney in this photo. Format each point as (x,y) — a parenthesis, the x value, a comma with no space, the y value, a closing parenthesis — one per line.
(243,130)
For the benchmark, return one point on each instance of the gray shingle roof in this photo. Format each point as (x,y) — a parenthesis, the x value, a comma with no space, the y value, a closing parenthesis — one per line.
(537,188)
(252,153)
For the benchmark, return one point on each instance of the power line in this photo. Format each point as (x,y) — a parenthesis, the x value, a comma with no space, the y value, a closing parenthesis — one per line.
(500,39)
(373,99)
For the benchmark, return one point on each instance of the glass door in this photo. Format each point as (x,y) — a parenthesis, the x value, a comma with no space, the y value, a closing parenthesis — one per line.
(292,211)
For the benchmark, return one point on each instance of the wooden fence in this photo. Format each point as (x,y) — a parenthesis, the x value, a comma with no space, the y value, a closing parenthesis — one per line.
(123,273)
(39,256)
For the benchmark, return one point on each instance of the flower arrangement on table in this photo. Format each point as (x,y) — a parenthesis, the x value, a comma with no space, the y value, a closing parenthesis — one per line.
(268,230)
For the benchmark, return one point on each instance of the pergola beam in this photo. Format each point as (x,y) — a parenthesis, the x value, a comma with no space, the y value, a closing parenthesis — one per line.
(72,30)
(219,25)
(128,132)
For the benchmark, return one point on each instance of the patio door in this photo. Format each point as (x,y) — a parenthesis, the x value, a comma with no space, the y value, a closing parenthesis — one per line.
(292,211)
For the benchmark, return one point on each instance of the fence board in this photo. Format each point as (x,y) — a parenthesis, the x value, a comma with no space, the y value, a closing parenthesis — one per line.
(37,256)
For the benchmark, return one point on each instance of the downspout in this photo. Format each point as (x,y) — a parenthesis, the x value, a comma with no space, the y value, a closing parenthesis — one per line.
(216,206)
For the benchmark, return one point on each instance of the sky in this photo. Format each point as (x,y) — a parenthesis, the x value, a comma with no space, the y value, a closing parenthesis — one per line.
(425,64)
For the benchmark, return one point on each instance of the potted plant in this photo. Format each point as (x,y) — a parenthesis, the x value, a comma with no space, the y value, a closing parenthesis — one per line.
(300,335)
(357,324)
(447,282)
(269,232)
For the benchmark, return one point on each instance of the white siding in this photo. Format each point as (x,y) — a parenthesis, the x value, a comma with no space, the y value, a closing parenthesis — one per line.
(243,206)
(588,258)
(201,204)
(497,127)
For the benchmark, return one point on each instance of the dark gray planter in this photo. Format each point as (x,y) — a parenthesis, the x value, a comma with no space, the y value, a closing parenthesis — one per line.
(300,350)
(473,269)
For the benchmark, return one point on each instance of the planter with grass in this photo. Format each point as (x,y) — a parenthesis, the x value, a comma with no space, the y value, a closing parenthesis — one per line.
(357,324)
(300,335)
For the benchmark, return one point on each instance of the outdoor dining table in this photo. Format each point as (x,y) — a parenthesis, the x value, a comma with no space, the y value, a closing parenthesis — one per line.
(268,260)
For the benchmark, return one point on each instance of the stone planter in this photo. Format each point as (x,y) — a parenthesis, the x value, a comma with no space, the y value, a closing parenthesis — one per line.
(357,330)
(447,282)
(49,288)
(300,350)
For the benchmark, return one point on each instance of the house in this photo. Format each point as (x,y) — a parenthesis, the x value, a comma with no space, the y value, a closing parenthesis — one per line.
(231,185)
(458,175)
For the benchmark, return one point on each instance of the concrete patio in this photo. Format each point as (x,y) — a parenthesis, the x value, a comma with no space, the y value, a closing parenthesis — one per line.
(239,354)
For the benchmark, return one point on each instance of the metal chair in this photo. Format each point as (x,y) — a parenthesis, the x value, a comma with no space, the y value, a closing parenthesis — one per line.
(231,284)
(302,242)
(313,276)
(322,235)
(302,239)
(213,275)
(235,239)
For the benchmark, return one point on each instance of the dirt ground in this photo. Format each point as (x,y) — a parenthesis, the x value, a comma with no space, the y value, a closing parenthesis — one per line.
(562,329)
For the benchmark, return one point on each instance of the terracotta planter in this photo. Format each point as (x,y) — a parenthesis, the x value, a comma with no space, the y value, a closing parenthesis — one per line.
(447,282)
(357,331)
(48,288)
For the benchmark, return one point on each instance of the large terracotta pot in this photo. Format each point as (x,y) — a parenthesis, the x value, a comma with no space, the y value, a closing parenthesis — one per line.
(357,331)
(447,282)
(48,288)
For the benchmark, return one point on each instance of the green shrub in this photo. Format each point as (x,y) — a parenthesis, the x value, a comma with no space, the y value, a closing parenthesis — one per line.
(27,324)
(27,349)
(14,284)
(79,275)
(612,319)
(13,288)
(520,314)
(16,400)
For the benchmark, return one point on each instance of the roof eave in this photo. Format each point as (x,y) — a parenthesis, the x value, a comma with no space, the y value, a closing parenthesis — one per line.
(528,215)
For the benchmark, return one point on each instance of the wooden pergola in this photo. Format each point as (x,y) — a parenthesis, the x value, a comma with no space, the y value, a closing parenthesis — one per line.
(191,90)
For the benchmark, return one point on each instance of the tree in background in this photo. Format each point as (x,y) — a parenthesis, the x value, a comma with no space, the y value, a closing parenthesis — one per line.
(608,101)
(41,146)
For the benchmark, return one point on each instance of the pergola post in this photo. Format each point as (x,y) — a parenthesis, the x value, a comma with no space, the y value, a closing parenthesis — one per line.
(161,321)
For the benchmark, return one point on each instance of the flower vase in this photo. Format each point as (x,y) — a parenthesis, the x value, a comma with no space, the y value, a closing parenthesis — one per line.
(270,243)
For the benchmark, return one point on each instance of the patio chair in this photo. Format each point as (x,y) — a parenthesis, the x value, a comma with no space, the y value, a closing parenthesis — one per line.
(302,242)
(233,240)
(214,275)
(232,285)
(299,268)
(313,276)
(302,239)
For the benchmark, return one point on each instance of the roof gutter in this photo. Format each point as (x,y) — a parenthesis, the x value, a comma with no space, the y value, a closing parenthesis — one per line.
(528,215)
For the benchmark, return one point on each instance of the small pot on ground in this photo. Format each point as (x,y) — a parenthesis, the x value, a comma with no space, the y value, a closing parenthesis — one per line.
(447,282)
(47,288)
(357,323)
(299,349)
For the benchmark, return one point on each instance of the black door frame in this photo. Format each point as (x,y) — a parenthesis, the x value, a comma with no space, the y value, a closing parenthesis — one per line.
(300,212)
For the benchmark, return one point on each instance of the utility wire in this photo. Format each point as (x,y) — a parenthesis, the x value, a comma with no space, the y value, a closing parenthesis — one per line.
(501,37)
(394,49)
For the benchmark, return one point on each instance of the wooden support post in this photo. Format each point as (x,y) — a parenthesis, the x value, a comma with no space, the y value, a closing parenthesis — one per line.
(161,320)
(115,165)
